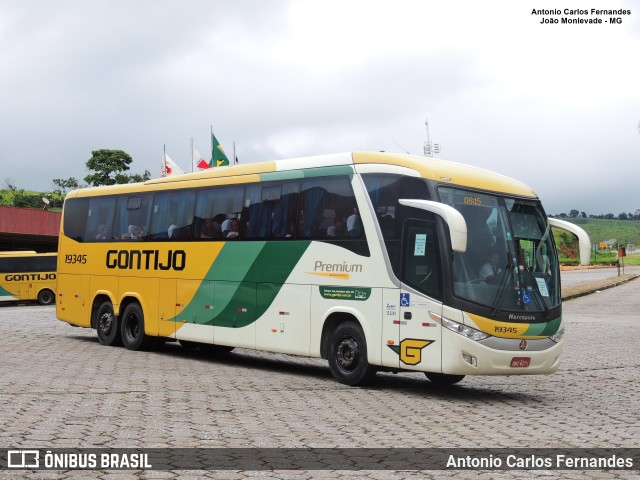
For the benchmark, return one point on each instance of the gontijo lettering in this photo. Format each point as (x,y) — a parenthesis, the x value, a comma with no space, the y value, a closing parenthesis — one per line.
(146,259)
(22,277)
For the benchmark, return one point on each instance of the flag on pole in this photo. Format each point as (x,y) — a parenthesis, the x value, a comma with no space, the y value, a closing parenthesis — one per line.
(199,161)
(169,167)
(218,157)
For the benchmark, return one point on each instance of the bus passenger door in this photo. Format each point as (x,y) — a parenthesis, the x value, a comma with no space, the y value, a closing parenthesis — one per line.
(420,345)
(390,327)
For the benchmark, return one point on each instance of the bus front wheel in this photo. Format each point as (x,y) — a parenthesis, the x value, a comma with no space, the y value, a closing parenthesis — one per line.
(45,297)
(443,379)
(107,326)
(348,355)
(132,328)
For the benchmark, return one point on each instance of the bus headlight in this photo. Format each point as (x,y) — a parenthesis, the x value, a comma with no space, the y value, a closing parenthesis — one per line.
(558,336)
(465,331)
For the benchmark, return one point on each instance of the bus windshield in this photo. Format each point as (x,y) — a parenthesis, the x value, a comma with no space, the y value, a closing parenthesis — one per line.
(510,263)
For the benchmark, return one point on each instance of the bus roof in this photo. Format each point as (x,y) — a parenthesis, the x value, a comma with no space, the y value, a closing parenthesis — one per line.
(454,173)
(447,172)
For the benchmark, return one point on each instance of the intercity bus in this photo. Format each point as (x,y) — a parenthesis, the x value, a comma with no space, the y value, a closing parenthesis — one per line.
(28,276)
(372,261)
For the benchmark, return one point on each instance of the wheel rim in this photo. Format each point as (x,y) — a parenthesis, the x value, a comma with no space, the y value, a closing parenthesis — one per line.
(348,354)
(106,322)
(46,298)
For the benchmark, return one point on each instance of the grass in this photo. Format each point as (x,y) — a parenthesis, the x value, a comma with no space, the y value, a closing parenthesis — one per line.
(603,259)
(600,229)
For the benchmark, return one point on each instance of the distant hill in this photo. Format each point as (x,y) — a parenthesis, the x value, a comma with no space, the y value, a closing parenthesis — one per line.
(600,229)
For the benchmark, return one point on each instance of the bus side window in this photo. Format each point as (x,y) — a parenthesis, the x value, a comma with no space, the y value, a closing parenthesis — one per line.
(215,208)
(133,210)
(259,202)
(99,219)
(285,211)
(326,201)
(75,218)
(271,209)
(384,191)
(172,213)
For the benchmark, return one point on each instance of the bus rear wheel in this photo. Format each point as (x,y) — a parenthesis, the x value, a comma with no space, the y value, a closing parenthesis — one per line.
(45,297)
(107,326)
(132,328)
(443,379)
(348,355)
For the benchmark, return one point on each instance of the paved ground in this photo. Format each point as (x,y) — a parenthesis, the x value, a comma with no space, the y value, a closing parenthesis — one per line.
(571,278)
(60,388)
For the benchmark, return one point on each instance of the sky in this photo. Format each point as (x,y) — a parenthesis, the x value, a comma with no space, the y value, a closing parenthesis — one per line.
(556,106)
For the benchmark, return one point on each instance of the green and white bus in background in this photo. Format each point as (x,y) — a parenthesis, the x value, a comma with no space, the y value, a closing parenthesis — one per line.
(373,261)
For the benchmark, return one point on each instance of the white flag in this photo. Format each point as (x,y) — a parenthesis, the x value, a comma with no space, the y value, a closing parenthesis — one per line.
(199,162)
(169,167)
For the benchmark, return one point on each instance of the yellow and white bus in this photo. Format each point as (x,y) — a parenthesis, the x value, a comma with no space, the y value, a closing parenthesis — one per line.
(373,261)
(28,276)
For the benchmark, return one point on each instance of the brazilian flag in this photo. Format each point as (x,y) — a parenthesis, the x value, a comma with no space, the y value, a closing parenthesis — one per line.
(218,157)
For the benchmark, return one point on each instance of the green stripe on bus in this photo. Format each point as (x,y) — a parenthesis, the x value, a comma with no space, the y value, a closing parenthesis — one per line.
(544,329)
(4,293)
(308,173)
(232,282)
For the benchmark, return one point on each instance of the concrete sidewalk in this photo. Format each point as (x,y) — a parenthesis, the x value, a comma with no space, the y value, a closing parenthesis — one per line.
(580,282)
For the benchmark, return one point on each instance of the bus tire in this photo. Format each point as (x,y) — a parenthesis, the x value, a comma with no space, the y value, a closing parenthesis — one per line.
(443,379)
(348,355)
(107,325)
(45,297)
(132,328)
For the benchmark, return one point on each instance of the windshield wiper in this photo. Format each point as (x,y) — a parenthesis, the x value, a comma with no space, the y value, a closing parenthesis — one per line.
(503,285)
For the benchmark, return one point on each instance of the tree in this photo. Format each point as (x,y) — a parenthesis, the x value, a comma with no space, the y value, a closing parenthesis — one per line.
(136,177)
(61,185)
(109,167)
(574,213)
(17,197)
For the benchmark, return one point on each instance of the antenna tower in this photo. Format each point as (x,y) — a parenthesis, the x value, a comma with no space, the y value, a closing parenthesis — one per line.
(430,148)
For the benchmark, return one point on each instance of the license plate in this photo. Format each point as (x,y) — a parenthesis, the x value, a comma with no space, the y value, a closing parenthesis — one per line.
(520,362)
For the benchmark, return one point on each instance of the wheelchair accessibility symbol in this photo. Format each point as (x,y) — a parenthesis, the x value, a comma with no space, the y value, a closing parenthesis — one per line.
(405,300)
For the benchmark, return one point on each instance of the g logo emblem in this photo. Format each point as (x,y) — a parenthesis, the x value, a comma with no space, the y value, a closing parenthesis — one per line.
(410,350)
